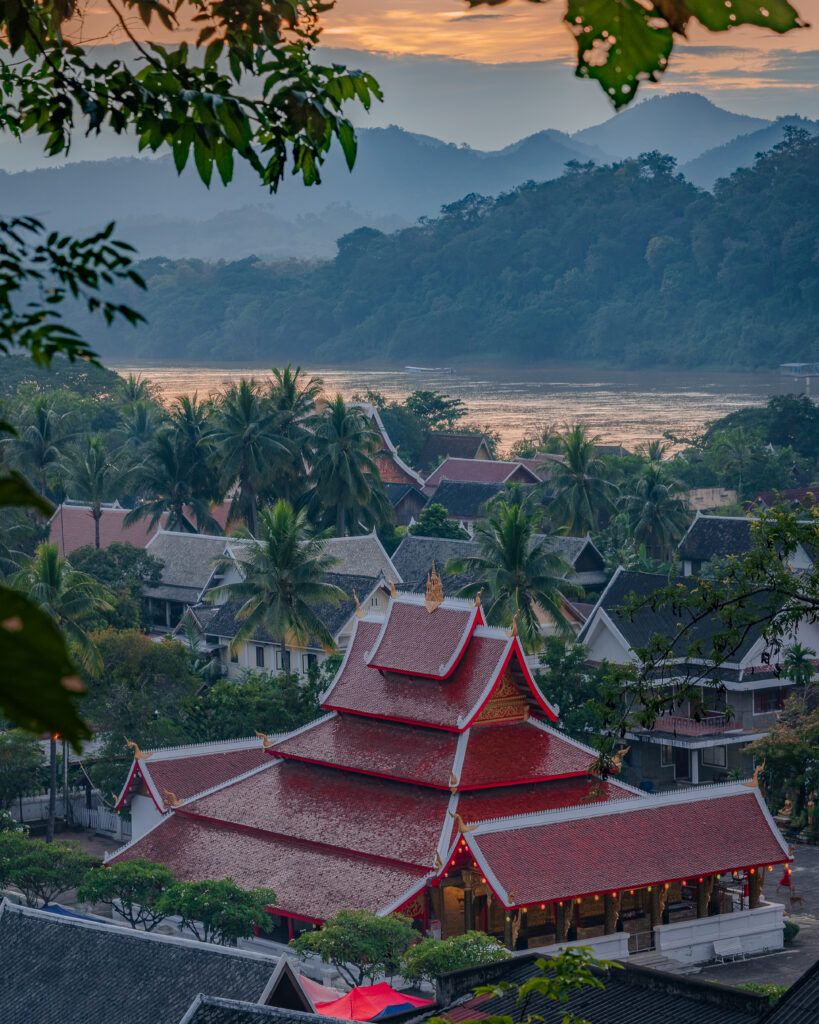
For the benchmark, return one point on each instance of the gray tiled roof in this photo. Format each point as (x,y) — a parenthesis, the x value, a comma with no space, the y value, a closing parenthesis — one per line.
(629,994)
(464,500)
(59,970)
(800,1004)
(334,617)
(354,556)
(414,557)
(716,537)
(214,1010)
(187,562)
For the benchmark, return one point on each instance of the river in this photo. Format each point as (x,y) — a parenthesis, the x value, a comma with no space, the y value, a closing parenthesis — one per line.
(625,407)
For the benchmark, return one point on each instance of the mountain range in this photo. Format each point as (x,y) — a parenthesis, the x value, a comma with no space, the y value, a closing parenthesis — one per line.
(400,176)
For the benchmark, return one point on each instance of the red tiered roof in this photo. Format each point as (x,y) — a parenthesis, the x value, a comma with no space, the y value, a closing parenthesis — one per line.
(587,850)
(356,809)
(416,642)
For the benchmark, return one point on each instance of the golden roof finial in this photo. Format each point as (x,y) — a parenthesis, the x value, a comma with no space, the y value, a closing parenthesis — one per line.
(393,589)
(753,782)
(171,799)
(267,743)
(435,590)
(513,629)
(134,746)
(463,828)
(453,782)
(437,863)
(478,598)
(359,611)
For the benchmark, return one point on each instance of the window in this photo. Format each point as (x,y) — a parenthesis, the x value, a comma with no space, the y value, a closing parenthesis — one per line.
(766,701)
(715,757)
(283,660)
(260,657)
(234,656)
(308,661)
(666,755)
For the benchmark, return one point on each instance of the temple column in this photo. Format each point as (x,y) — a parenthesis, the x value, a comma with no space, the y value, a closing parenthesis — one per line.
(695,767)
(704,890)
(561,922)
(507,930)
(654,908)
(612,910)
(469,909)
(755,883)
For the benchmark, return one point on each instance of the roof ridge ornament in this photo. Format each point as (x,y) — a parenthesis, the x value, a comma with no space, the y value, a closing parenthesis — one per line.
(171,799)
(393,587)
(463,828)
(478,598)
(359,611)
(753,782)
(267,742)
(139,755)
(435,590)
(513,629)
(453,782)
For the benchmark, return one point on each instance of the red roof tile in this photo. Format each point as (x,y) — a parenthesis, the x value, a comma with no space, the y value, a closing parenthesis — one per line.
(366,691)
(322,805)
(480,471)
(72,527)
(416,642)
(418,755)
(187,776)
(662,839)
(518,752)
(308,881)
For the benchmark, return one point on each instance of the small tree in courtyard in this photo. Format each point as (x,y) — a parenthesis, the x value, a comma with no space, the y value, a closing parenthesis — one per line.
(433,957)
(432,521)
(21,766)
(41,871)
(360,945)
(132,888)
(217,910)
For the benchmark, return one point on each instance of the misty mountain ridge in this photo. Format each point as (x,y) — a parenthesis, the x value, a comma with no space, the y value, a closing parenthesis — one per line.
(400,176)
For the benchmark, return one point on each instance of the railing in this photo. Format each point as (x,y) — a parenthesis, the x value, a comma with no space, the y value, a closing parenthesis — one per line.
(710,723)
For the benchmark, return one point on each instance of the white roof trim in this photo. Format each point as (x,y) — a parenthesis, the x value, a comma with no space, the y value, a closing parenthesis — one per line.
(373,413)
(443,849)
(592,614)
(460,754)
(137,839)
(350,644)
(406,895)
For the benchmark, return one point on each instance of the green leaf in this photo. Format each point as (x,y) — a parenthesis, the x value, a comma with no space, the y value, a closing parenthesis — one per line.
(17,492)
(224,160)
(39,685)
(718,15)
(619,42)
(346,136)
(203,156)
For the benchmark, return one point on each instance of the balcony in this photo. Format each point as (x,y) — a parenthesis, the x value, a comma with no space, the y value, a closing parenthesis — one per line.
(710,723)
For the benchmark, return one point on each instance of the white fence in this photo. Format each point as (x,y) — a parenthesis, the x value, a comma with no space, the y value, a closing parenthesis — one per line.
(32,810)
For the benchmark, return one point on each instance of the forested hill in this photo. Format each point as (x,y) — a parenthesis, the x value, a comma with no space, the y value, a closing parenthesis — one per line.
(625,264)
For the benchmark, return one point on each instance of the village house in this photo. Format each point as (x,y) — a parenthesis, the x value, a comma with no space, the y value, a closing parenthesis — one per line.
(406,500)
(713,537)
(391,467)
(437,784)
(72,526)
(188,561)
(479,471)
(442,444)
(704,738)
(464,502)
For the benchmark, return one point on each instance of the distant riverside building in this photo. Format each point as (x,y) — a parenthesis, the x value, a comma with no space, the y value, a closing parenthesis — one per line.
(479,471)
(442,444)
(438,786)
(709,538)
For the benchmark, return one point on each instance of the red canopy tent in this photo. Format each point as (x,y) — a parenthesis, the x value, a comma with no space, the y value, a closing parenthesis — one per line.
(371,1002)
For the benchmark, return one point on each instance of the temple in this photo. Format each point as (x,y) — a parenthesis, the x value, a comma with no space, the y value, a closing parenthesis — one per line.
(437,785)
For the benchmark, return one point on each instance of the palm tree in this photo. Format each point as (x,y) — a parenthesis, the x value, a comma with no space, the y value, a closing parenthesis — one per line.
(137,426)
(292,397)
(346,481)
(283,582)
(656,513)
(244,433)
(654,451)
(91,476)
(72,599)
(136,388)
(581,491)
(191,421)
(735,449)
(519,571)
(798,666)
(41,440)
(171,481)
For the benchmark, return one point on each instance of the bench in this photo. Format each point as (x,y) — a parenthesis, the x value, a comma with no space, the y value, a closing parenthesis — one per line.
(729,949)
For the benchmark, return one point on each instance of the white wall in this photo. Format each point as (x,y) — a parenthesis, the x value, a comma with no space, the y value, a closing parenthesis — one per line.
(692,942)
(144,815)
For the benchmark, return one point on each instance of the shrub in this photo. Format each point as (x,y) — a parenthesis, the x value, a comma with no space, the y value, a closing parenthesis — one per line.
(433,957)
(217,911)
(791,931)
(132,888)
(773,992)
(41,871)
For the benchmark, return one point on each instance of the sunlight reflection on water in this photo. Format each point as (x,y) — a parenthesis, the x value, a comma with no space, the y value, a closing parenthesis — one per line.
(623,407)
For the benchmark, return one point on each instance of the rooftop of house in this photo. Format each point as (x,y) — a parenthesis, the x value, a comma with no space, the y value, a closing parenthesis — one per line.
(464,499)
(800,1004)
(792,497)
(397,492)
(627,601)
(480,471)
(363,555)
(710,537)
(629,993)
(137,976)
(72,526)
(333,616)
(215,1010)
(442,444)
(414,557)
(187,563)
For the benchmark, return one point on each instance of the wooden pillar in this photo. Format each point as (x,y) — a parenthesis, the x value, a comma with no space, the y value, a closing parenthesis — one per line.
(654,909)
(612,909)
(755,883)
(469,909)
(507,930)
(704,890)
(561,922)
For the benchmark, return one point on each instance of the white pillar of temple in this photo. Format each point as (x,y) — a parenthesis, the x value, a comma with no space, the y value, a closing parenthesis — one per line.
(695,767)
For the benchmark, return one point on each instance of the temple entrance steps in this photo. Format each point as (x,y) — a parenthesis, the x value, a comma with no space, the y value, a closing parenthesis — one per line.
(657,962)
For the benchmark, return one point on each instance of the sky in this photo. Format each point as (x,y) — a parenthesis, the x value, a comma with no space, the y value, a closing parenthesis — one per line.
(492,74)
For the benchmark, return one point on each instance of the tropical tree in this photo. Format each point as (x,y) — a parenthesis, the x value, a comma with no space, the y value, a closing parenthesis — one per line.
(71,599)
(735,450)
(521,574)
(136,388)
(41,871)
(359,944)
(430,958)
(346,482)
(191,420)
(292,397)
(21,766)
(91,476)
(137,427)
(283,581)
(172,483)
(581,491)
(799,666)
(131,888)
(434,521)
(218,911)
(244,433)
(656,513)
(42,436)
